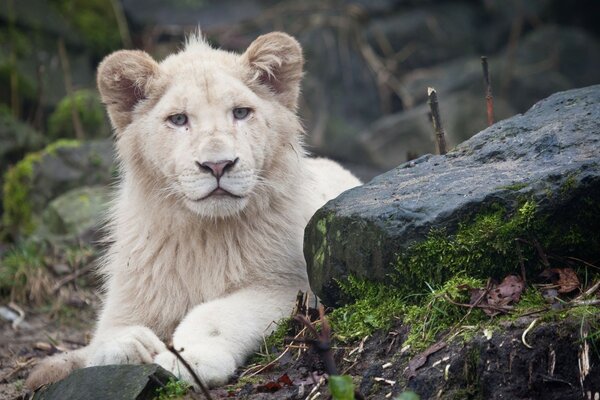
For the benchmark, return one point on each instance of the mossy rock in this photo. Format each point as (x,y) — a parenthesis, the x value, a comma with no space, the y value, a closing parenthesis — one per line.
(40,177)
(77,213)
(533,176)
(88,106)
(16,139)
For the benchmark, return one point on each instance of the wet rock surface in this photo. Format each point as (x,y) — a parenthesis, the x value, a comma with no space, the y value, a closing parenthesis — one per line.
(550,155)
(110,382)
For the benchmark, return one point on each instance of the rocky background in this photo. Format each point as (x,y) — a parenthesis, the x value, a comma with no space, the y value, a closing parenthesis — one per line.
(368,66)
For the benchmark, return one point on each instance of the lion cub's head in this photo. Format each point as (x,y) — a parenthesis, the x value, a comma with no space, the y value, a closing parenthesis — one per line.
(212,129)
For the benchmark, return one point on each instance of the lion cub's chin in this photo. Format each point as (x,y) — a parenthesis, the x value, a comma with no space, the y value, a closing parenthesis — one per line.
(217,206)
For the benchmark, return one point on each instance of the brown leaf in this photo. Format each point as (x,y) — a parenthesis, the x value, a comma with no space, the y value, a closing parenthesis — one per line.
(285,379)
(567,280)
(507,292)
(420,359)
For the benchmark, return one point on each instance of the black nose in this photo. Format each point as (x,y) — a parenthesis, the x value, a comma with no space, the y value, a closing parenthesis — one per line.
(217,168)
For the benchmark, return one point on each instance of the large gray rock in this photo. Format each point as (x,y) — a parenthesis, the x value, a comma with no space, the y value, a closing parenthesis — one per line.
(40,177)
(399,137)
(109,382)
(77,214)
(549,156)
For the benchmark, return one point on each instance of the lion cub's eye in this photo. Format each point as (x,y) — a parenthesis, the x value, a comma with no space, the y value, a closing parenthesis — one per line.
(241,112)
(178,119)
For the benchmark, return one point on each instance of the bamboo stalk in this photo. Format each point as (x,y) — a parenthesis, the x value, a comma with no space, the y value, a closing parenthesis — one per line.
(440,134)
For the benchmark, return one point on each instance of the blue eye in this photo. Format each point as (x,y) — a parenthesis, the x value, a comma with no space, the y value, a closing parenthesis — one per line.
(241,112)
(178,119)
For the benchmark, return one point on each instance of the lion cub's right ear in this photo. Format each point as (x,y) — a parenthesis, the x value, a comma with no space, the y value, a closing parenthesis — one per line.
(124,79)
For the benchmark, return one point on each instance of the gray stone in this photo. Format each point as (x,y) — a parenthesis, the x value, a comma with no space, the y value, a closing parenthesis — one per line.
(396,138)
(110,382)
(41,177)
(77,213)
(550,155)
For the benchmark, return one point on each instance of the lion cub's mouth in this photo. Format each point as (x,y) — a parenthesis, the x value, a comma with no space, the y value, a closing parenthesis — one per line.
(219,192)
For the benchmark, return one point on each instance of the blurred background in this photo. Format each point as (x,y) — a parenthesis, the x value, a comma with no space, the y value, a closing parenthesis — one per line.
(368,66)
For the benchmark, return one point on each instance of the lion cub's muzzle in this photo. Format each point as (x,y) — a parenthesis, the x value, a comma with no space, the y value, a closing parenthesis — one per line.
(217,168)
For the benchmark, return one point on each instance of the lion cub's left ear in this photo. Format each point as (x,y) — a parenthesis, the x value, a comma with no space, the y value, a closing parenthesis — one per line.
(276,60)
(125,78)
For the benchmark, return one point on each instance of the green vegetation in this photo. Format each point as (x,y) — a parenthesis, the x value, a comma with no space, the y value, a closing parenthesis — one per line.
(18,213)
(341,387)
(91,113)
(434,314)
(174,389)
(375,307)
(483,248)
(273,343)
(444,265)
(95,20)
(22,274)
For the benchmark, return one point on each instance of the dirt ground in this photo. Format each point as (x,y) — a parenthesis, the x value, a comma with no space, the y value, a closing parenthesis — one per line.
(496,365)
(43,332)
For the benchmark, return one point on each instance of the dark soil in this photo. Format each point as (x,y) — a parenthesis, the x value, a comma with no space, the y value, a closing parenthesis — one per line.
(496,367)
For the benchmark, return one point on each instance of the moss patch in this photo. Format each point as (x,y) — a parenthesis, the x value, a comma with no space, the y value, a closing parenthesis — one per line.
(18,214)
(87,104)
(440,265)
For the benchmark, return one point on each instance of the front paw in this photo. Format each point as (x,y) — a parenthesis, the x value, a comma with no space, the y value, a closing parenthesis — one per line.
(213,366)
(131,345)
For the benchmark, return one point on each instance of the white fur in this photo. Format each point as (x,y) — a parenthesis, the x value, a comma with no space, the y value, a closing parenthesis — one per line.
(211,275)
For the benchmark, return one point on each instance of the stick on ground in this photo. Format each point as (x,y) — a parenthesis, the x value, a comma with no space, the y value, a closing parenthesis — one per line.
(191,371)
(489,99)
(440,134)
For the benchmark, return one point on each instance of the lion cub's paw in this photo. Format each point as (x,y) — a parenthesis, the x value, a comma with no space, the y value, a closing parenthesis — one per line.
(131,345)
(213,366)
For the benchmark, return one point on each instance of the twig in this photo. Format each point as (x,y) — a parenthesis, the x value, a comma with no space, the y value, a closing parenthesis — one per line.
(526,331)
(440,138)
(70,278)
(20,366)
(264,367)
(122,23)
(489,99)
(191,371)
(483,306)
(64,61)
(322,343)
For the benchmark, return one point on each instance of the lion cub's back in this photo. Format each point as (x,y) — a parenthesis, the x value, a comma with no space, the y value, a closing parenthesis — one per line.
(329,179)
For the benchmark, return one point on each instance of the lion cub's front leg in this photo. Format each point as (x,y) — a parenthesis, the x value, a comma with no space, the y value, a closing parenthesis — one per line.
(216,337)
(124,345)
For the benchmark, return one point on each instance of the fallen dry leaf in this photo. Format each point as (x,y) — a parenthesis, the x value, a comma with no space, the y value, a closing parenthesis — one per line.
(420,359)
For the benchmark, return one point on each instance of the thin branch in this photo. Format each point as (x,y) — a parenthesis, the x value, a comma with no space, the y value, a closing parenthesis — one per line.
(66,68)
(440,138)
(122,23)
(71,277)
(489,98)
(191,371)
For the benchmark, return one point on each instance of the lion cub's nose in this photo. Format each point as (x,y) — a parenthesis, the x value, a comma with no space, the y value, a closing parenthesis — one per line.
(217,168)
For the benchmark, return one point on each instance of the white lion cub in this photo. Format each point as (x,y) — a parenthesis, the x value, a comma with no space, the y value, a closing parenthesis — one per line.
(208,223)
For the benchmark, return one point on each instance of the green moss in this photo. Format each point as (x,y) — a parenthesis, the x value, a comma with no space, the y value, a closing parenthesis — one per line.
(433,314)
(483,248)
(174,389)
(17,218)
(15,199)
(375,307)
(91,114)
(514,187)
